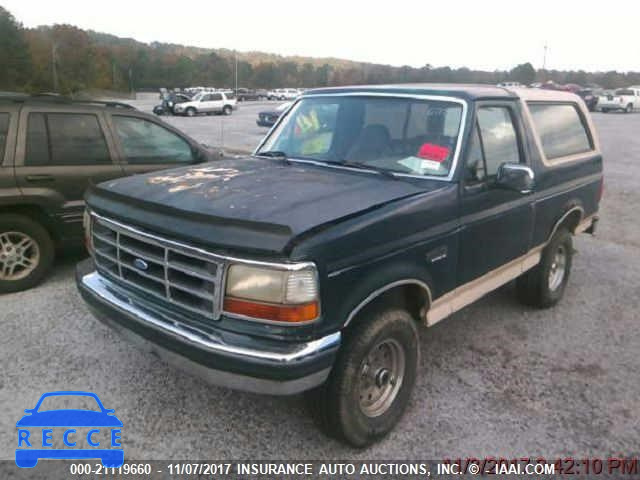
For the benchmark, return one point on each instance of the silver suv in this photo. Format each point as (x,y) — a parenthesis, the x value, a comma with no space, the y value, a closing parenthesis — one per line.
(208,102)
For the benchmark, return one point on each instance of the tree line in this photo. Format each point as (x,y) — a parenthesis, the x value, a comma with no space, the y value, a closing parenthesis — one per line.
(67,59)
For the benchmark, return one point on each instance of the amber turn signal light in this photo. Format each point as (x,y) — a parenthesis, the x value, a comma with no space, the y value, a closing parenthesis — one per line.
(269,311)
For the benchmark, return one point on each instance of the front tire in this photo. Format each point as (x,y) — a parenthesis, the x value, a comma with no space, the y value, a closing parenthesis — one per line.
(372,380)
(227,110)
(190,112)
(543,286)
(629,109)
(26,253)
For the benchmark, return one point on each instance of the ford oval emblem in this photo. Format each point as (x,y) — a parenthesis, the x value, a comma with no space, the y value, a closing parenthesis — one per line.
(140,264)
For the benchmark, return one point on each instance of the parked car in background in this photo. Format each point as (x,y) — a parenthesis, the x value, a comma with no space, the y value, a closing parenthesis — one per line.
(510,84)
(623,99)
(208,103)
(51,149)
(283,94)
(272,94)
(167,107)
(571,87)
(551,85)
(268,118)
(243,94)
(365,211)
(590,97)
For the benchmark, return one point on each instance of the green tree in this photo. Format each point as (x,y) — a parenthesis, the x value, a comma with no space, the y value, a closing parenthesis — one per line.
(523,73)
(307,75)
(214,70)
(265,75)
(15,59)
(182,73)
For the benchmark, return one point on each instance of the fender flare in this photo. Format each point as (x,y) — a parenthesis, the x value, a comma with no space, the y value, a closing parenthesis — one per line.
(380,291)
(575,208)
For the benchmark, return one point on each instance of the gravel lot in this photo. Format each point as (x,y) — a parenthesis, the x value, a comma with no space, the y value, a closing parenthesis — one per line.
(497,378)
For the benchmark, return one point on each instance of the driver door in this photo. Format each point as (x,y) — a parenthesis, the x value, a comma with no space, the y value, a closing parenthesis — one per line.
(497,224)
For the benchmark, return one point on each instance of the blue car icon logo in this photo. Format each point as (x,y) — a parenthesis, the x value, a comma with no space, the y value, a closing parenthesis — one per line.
(69,433)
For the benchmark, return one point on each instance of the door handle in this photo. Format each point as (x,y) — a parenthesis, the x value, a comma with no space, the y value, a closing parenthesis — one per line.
(40,178)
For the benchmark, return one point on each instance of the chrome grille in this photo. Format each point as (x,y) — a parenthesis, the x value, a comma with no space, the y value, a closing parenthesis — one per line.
(180,275)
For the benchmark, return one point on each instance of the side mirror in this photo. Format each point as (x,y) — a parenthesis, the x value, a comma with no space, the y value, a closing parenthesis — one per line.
(198,155)
(515,176)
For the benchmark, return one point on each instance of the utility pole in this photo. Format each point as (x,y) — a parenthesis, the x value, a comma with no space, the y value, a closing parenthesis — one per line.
(54,67)
(544,58)
(236,54)
(113,74)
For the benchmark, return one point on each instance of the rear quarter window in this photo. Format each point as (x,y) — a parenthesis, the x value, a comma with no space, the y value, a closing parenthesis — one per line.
(4,130)
(561,129)
(65,139)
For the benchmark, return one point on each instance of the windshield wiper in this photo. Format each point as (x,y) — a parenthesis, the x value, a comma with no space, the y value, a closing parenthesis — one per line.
(365,166)
(275,154)
(361,166)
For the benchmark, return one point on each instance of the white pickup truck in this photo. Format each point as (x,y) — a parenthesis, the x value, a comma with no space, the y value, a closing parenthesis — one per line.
(203,102)
(625,99)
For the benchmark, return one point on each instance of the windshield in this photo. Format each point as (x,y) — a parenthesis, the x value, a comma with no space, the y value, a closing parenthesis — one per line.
(69,402)
(198,96)
(401,135)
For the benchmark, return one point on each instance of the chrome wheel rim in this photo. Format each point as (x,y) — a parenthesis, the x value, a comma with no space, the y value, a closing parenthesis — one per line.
(558,268)
(19,255)
(381,376)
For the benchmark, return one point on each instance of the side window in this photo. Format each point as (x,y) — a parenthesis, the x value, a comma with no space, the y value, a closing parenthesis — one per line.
(4,130)
(498,137)
(65,139)
(37,140)
(561,130)
(145,142)
(76,139)
(216,97)
(475,170)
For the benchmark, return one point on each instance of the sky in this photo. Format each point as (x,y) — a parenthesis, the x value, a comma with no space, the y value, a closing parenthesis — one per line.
(481,34)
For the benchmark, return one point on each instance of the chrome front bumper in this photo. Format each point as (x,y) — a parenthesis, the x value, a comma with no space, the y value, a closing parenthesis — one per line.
(276,368)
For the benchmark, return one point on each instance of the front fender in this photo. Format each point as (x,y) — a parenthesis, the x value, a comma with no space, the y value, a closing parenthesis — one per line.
(349,292)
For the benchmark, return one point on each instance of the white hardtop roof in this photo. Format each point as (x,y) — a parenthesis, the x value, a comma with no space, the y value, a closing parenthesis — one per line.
(543,95)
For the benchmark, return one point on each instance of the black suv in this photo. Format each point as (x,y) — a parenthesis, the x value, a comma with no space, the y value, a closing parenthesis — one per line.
(364,212)
(51,149)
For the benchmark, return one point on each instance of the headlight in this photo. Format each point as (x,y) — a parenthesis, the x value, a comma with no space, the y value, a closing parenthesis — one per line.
(272,294)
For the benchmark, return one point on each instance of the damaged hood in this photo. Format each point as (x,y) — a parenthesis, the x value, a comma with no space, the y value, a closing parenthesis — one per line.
(245,203)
